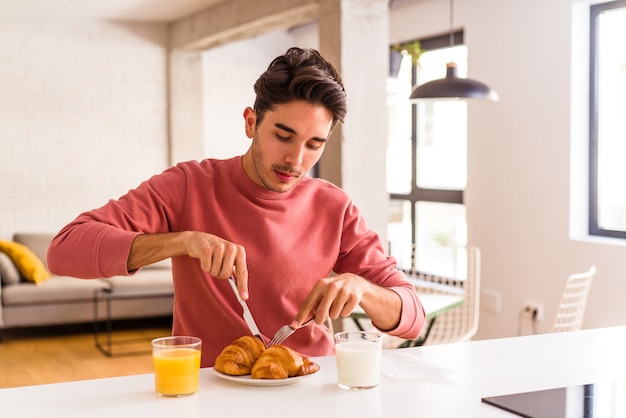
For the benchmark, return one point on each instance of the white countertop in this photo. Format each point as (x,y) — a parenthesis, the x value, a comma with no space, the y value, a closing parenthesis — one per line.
(445,381)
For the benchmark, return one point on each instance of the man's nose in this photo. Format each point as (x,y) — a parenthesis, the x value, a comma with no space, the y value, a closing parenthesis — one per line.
(295,154)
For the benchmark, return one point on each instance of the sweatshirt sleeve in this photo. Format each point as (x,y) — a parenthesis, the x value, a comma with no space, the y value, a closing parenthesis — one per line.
(97,243)
(413,316)
(89,249)
(362,253)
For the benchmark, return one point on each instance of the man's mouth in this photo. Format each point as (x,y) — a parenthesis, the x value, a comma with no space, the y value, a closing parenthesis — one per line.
(284,177)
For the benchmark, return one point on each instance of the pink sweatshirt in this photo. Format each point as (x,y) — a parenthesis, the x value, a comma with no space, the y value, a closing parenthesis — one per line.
(291,240)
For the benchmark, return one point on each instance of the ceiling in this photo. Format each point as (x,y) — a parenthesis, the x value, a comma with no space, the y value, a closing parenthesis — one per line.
(137,10)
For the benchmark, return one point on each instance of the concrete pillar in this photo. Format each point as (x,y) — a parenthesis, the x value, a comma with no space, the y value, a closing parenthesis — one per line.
(354,35)
(186,106)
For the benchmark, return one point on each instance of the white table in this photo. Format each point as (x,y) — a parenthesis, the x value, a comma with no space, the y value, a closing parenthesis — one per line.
(476,369)
(433,303)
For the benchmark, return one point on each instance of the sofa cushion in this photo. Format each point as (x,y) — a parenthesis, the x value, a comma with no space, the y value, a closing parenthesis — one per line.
(38,243)
(163,264)
(144,282)
(8,271)
(28,264)
(56,290)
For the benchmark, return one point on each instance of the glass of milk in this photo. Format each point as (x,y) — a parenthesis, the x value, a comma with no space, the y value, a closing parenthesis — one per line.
(358,359)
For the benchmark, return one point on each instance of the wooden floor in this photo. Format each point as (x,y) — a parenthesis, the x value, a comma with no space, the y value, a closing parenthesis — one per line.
(62,354)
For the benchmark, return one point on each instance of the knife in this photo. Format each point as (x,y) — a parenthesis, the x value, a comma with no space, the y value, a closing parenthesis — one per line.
(247,316)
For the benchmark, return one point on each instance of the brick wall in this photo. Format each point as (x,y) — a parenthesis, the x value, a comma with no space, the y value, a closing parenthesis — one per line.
(83,116)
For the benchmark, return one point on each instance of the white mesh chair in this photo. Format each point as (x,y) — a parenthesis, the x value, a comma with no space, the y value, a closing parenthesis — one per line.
(458,324)
(569,316)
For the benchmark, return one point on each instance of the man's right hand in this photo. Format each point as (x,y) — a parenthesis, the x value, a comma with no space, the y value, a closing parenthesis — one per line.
(218,257)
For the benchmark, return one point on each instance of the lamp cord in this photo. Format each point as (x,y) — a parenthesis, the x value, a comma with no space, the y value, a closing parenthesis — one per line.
(451,23)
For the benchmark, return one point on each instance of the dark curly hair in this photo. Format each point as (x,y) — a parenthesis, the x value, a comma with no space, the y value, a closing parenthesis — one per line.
(300,74)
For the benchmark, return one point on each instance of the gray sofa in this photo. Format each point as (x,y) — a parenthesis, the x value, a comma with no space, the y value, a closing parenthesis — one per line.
(66,300)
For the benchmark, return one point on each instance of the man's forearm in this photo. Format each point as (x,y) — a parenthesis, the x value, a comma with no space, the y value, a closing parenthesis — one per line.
(383,306)
(151,248)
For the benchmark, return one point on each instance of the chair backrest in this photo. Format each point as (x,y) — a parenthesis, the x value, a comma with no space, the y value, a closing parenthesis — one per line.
(461,323)
(569,316)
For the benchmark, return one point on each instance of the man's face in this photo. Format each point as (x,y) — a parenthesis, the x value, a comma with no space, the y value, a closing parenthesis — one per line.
(286,144)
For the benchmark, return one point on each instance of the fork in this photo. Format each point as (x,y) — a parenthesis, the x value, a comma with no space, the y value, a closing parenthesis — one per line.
(283,333)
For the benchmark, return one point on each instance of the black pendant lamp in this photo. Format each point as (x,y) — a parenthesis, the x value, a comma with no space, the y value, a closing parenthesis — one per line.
(452,87)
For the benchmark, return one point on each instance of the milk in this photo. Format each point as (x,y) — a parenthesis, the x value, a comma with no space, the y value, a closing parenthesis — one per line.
(358,364)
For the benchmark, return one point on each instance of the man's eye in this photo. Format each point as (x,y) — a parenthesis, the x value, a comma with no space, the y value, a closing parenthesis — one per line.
(282,138)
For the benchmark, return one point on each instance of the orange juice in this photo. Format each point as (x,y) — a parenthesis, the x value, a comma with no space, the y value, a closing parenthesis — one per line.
(176,371)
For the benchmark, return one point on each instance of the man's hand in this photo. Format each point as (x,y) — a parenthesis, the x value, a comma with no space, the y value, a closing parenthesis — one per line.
(338,296)
(218,257)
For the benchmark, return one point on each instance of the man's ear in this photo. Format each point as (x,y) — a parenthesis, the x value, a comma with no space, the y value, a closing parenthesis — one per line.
(249,116)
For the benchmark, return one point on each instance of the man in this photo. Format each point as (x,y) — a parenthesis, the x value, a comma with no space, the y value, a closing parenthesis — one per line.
(297,246)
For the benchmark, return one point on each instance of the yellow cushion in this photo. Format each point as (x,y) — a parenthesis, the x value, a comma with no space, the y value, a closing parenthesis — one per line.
(28,264)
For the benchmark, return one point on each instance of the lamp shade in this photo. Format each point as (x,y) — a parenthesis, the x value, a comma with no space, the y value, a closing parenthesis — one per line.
(453,87)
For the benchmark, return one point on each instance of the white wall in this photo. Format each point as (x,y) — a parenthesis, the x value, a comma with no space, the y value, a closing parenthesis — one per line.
(519,170)
(82,116)
(230,73)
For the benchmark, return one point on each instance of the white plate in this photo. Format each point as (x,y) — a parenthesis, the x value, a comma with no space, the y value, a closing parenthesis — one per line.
(248,380)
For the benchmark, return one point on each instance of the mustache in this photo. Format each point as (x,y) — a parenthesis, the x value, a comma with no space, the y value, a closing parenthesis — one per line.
(287,169)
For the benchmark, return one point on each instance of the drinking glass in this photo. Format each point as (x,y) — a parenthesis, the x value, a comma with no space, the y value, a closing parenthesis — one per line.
(176,365)
(358,359)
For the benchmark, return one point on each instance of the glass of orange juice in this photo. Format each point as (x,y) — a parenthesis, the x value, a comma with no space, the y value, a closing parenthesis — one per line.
(176,365)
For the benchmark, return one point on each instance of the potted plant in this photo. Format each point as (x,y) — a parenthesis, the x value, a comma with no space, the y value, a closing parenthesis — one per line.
(398,51)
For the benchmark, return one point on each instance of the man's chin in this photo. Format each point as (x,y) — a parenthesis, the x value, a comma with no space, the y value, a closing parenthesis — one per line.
(282,187)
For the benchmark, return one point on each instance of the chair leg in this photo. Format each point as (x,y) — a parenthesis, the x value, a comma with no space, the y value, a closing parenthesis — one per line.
(358,324)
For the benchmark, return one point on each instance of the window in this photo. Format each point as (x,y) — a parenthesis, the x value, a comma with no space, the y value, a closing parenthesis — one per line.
(427,164)
(607,144)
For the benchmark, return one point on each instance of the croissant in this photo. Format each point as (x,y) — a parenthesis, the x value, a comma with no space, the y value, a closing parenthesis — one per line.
(277,362)
(308,367)
(238,358)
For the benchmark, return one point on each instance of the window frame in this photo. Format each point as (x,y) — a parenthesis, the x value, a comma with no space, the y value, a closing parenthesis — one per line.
(419,194)
(594,227)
